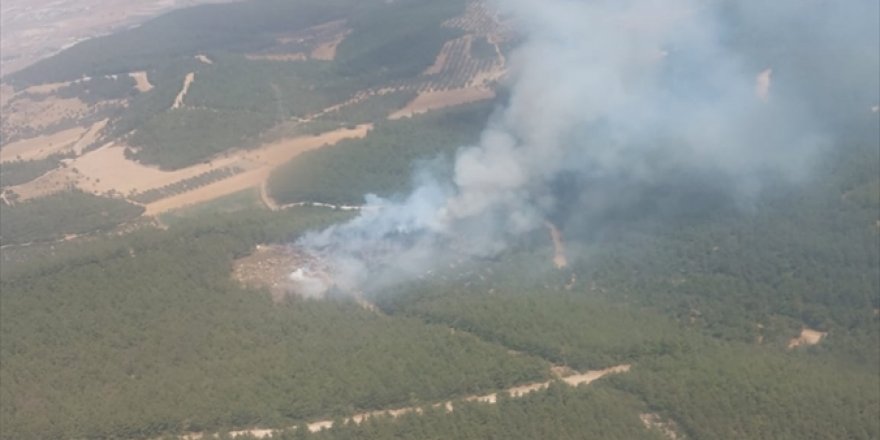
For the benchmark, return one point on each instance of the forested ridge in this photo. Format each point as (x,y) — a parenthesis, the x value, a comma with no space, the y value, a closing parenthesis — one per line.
(104,336)
(382,163)
(150,335)
(132,331)
(55,216)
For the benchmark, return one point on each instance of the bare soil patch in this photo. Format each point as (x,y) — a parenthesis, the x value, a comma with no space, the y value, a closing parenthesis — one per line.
(178,101)
(260,164)
(269,266)
(50,183)
(89,137)
(655,422)
(107,170)
(45,89)
(204,59)
(7,93)
(434,100)
(807,337)
(142,83)
(315,43)
(326,51)
(41,147)
(29,114)
(296,56)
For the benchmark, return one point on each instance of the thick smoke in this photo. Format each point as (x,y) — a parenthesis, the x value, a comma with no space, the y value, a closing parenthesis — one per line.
(610,98)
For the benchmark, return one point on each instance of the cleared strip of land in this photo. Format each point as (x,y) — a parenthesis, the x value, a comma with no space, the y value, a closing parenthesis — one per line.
(515,392)
(262,162)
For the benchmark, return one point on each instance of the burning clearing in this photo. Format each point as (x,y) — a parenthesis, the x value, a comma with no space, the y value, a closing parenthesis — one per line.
(284,270)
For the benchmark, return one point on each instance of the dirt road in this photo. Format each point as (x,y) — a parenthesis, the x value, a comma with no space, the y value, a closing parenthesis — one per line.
(514,392)
(262,162)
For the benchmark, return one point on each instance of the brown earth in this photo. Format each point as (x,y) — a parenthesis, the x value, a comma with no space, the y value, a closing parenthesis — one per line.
(263,161)
(89,137)
(296,56)
(204,59)
(27,113)
(142,82)
(6,94)
(655,422)
(107,171)
(326,51)
(269,266)
(427,101)
(41,147)
(45,89)
(178,101)
(807,337)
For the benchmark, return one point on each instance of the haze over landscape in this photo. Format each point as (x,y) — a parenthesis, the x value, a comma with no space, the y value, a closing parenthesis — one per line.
(419,219)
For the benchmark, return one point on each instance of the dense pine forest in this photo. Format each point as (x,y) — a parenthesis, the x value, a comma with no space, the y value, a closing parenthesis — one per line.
(116,325)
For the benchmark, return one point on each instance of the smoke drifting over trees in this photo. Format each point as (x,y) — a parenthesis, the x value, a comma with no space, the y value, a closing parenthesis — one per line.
(612,100)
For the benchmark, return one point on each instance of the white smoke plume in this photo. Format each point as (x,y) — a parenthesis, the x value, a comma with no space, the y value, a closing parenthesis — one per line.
(618,94)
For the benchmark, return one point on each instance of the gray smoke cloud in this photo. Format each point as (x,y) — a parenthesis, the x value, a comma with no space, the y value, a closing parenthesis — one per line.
(609,98)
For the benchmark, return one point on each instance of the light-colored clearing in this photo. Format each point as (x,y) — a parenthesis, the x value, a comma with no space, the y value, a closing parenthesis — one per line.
(515,392)
(668,428)
(42,113)
(263,161)
(762,84)
(45,89)
(107,170)
(142,83)
(41,147)
(6,94)
(296,56)
(875,108)
(204,59)
(50,183)
(89,137)
(559,258)
(327,51)
(435,100)
(807,337)
(178,101)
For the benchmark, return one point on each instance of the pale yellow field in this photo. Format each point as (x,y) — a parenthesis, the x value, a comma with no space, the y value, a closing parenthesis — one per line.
(428,101)
(142,82)
(41,147)
(261,163)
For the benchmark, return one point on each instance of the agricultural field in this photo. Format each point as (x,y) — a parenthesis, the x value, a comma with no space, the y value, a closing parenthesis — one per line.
(165,127)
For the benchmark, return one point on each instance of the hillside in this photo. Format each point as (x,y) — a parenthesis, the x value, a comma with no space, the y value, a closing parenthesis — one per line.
(273,73)
(419,219)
